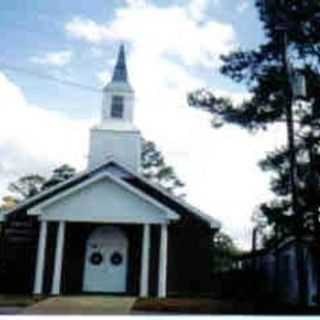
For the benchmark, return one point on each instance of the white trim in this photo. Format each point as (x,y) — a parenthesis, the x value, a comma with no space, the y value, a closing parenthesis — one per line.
(56,281)
(105,219)
(145,260)
(163,256)
(41,252)
(38,210)
(170,214)
(109,159)
(213,223)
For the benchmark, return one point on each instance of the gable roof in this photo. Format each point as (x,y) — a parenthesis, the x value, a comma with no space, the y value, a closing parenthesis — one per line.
(36,210)
(135,180)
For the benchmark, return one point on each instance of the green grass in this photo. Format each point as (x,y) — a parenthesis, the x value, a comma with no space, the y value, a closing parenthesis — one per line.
(18,300)
(219,307)
(190,306)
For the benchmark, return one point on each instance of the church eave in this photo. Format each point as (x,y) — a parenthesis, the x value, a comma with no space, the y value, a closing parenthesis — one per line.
(136,180)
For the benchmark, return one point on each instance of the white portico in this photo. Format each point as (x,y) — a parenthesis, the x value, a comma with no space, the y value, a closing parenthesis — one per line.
(116,203)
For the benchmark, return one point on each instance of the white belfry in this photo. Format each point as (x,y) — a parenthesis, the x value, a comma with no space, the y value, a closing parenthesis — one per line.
(116,134)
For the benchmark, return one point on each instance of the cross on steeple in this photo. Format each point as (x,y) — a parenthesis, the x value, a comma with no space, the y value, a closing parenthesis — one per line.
(120,71)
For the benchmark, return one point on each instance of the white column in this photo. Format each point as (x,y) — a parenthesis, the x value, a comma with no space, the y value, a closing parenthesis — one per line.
(162,282)
(144,278)
(41,253)
(56,282)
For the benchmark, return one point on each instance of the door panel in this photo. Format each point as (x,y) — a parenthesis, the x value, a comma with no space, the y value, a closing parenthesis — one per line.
(106,261)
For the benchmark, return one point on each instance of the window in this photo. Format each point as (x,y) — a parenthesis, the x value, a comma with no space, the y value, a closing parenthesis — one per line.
(117,107)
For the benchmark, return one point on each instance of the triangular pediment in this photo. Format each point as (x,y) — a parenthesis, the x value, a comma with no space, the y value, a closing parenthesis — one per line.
(103,198)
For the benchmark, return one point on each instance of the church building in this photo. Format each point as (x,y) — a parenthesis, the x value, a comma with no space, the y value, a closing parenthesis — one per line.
(108,230)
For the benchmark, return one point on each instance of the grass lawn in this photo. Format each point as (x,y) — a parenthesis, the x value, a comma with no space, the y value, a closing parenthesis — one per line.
(218,307)
(192,306)
(18,300)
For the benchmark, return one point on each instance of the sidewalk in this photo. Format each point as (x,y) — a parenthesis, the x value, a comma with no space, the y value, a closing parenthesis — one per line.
(82,305)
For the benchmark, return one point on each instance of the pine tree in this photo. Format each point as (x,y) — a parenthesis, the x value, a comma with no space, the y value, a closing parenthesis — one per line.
(157,171)
(262,70)
(59,175)
(292,43)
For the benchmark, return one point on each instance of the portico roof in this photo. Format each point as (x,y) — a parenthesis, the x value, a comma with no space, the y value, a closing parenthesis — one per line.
(115,201)
(137,181)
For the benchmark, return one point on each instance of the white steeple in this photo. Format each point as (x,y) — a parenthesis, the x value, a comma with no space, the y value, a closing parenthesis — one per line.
(116,134)
(118,95)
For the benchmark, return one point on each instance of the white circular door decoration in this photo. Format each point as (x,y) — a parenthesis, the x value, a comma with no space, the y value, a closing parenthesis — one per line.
(106,260)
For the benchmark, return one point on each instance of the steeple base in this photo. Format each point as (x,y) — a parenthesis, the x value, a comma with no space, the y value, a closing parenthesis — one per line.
(123,143)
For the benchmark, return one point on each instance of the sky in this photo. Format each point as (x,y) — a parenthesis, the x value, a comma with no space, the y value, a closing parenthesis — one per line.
(173,47)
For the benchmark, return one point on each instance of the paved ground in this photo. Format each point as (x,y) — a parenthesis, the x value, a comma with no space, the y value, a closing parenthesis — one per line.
(108,305)
(79,305)
(10,310)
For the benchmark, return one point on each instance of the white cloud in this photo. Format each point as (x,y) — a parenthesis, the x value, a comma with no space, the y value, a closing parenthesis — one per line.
(57,58)
(87,29)
(166,44)
(136,3)
(103,77)
(33,139)
(236,97)
(161,31)
(242,6)
(197,9)
(96,52)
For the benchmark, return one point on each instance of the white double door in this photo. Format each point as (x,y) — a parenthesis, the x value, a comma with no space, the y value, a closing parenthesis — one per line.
(106,261)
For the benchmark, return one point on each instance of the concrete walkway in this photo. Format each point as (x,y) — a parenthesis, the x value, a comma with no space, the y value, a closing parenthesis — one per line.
(81,305)
(10,310)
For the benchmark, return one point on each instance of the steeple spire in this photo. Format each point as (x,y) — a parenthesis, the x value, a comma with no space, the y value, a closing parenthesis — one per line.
(120,70)
(116,133)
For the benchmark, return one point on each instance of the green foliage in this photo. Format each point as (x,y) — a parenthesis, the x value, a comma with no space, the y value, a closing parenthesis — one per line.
(156,170)
(8,202)
(224,252)
(262,71)
(59,175)
(27,186)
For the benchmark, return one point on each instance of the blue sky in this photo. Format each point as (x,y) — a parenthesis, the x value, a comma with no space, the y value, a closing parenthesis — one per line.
(32,28)
(173,47)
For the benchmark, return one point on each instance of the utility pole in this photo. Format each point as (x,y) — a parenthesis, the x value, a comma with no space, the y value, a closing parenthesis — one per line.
(313,183)
(296,210)
(297,213)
